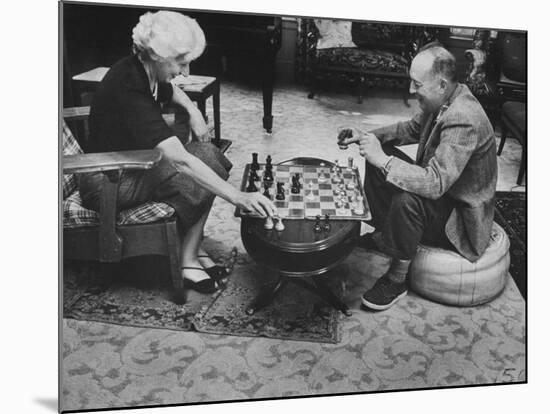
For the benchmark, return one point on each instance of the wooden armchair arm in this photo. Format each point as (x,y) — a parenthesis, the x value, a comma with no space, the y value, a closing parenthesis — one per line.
(108,161)
(77,113)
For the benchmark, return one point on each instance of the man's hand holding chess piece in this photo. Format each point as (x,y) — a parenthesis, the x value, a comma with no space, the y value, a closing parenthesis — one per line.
(369,145)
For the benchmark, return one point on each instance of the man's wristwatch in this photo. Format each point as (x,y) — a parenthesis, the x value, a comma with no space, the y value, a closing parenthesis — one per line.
(385,167)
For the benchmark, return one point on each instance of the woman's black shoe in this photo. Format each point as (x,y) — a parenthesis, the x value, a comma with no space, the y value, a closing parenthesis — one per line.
(203,286)
(216,272)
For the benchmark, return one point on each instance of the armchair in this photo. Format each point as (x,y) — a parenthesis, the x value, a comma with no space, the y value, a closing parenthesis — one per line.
(108,235)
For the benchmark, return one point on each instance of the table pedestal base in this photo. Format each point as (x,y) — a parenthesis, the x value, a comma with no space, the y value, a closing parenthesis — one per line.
(316,285)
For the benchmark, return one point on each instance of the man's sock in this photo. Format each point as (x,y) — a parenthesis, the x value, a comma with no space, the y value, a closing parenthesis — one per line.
(398,270)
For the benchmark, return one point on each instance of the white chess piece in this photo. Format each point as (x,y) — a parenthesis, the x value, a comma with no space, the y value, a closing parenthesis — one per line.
(310,196)
(268,225)
(359,206)
(279,226)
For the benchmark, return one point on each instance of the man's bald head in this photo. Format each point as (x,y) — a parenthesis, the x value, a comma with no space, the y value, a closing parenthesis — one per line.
(433,77)
(439,61)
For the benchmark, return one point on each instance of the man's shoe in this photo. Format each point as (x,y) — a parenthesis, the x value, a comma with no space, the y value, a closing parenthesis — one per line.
(384,294)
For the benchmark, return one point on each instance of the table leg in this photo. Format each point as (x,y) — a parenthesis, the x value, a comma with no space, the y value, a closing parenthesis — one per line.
(201,103)
(216,102)
(324,292)
(266,296)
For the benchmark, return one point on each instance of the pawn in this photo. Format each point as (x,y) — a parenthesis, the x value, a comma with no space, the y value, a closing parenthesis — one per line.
(279,226)
(317,227)
(326,226)
(268,225)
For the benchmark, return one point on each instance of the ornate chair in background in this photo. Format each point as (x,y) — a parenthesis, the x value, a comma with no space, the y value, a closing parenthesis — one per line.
(360,53)
(110,236)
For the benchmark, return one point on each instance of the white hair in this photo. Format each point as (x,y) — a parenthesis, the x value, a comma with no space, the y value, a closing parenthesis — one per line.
(167,35)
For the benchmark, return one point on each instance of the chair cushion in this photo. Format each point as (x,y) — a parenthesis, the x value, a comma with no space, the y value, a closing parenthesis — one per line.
(70,147)
(75,215)
(514,113)
(364,59)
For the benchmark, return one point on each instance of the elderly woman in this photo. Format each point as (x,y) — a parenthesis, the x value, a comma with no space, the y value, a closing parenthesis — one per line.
(126,115)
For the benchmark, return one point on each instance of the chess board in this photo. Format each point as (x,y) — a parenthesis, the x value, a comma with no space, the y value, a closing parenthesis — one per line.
(320,187)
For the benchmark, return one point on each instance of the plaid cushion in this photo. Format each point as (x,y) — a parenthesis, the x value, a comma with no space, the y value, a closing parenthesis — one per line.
(75,215)
(70,147)
(145,213)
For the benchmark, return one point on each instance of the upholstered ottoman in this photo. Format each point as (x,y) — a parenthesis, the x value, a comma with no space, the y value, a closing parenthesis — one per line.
(446,277)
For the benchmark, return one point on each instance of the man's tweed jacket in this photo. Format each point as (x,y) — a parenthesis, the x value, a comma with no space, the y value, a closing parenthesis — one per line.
(457,157)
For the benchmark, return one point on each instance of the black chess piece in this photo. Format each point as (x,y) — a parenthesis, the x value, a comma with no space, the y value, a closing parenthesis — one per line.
(251,186)
(326,226)
(266,190)
(295,189)
(268,174)
(255,166)
(280,191)
(268,161)
(317,227)
(254,174)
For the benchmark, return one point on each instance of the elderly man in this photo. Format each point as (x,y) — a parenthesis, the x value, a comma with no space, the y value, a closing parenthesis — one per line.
(446,197)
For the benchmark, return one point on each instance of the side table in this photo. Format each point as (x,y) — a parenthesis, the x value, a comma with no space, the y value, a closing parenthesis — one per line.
(198,88)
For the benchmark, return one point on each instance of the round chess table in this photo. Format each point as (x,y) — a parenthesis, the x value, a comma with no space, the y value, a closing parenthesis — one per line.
(299,253)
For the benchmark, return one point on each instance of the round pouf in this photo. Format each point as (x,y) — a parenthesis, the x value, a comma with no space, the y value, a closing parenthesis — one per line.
(446,277)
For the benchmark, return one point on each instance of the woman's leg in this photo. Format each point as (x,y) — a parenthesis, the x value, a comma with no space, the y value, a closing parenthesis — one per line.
(192,239)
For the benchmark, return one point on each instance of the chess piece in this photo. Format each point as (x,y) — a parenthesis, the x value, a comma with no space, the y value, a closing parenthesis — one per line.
(266,190)
(295,189)
(255,166)
(268,162)
(279,226)
(268,174)
(251,186)
(350,163)
(351,185)
(268,225)
(254,174)
(317,227)
(359,206)
(310,196)
(326,226)
(335,167)
(280,192)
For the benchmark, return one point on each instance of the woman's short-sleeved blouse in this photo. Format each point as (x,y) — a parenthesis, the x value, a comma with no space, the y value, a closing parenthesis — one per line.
(124,115)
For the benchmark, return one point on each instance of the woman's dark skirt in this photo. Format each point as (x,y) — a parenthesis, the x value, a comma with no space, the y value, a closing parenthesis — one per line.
(162,184)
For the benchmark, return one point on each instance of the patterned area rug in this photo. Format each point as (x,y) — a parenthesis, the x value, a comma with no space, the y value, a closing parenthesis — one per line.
(510,214)
(296,314)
